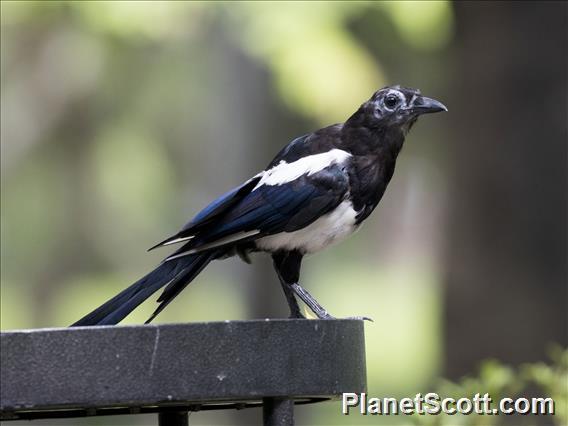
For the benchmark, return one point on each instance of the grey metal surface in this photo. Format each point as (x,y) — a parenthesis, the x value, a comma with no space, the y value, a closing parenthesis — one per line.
(72,372)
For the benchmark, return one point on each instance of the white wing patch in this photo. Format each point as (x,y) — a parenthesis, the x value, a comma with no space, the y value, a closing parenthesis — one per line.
(287,172)
(326,230)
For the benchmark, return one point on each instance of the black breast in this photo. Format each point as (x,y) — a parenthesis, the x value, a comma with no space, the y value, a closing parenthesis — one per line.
(369,177)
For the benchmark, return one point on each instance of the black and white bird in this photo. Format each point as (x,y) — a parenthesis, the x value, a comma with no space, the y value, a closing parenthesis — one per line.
(316,191)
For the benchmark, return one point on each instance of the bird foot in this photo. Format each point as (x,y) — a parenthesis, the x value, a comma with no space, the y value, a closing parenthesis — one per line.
(361,318)
(358,318)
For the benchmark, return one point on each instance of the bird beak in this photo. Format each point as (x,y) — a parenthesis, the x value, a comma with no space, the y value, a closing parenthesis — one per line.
(424,105)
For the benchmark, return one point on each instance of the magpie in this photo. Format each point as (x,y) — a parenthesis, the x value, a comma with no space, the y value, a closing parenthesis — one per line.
(315,192)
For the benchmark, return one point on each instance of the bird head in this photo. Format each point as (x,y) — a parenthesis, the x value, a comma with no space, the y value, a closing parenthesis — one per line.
(399,105)
(396,107)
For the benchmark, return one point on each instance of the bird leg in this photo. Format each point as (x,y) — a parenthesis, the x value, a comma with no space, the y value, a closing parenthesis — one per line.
(309,300)
(295,311)
(287,266)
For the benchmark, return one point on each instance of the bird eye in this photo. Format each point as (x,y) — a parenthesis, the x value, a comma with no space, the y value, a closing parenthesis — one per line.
(391,101)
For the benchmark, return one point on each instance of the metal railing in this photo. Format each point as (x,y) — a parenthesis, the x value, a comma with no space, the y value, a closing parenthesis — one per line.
(175,369)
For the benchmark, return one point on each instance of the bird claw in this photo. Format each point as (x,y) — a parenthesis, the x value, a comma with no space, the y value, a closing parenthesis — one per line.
(358,318)
(361,318)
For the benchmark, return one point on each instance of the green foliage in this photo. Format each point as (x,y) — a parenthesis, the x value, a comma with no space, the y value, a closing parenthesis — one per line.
(309,48)
(552,380)
(503,381)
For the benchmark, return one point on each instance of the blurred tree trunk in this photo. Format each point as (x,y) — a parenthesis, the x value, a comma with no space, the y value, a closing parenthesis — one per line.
(254,121)
(257,126)
(506,277)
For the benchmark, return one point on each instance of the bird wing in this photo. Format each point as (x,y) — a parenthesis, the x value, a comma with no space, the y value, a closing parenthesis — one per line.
(204,218)
(269,209)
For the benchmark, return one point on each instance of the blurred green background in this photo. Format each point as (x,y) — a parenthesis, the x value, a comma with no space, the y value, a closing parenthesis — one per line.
(120,120)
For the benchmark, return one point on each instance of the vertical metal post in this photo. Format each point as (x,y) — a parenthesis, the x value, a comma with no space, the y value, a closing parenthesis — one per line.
(278,412)
(173,418)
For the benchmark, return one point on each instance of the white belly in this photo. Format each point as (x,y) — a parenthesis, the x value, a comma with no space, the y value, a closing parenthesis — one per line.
(326,230)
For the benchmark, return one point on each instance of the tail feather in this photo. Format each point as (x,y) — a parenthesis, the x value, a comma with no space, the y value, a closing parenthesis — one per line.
(180,282)
(181,270)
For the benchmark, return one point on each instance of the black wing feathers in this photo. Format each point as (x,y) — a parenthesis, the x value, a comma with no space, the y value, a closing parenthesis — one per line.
(271,209)
(212,211)
(331,186)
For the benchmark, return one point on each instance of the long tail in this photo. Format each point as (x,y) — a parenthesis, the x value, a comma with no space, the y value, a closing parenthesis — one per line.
(175,273)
